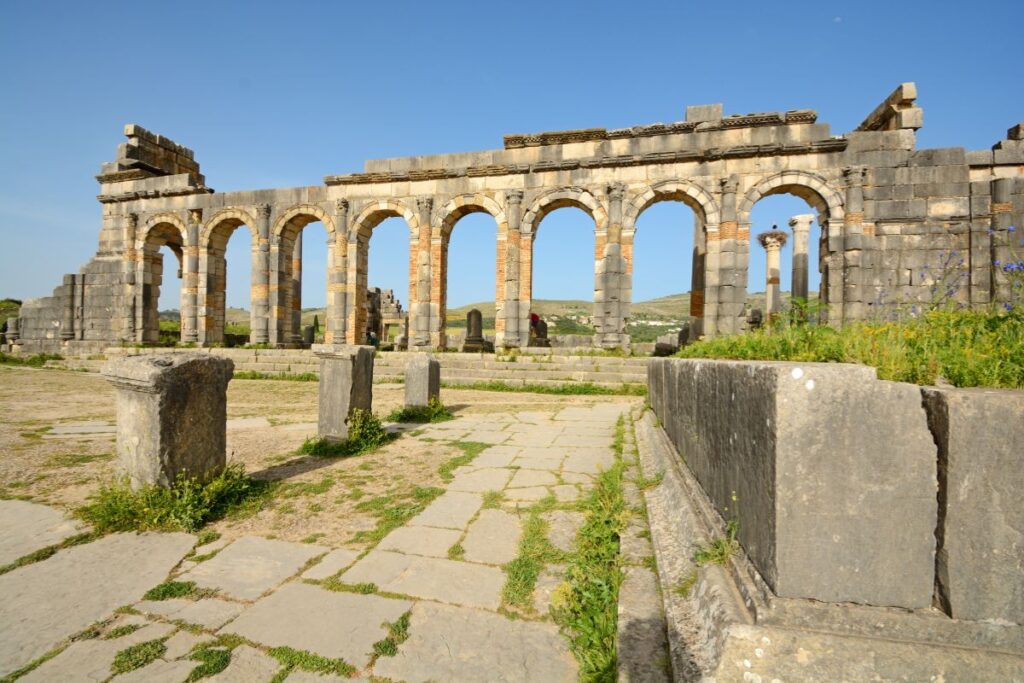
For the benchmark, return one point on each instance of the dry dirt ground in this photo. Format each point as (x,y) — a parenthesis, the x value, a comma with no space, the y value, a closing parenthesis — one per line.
(318,499)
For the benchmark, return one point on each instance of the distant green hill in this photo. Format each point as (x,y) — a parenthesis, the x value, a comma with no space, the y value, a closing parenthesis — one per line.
(8,309)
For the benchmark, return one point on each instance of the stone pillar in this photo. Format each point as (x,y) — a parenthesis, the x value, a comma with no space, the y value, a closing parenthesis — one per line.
(296,285)
(610,279)
(512,311)
(801,226)
(13,330)
(259,319)
(67,318)
(131,258)
(337,276)
(772,241)
(847,297)
(1002,208)
(426,311)
(346,384)
(725,289)
(190,278)
(422,381)
(696,327)
(171,416)
(474,332)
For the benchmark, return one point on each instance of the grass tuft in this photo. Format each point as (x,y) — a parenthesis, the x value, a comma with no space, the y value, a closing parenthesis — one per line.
(398,632)
(434,411)
(121,631)
(394,510)
(573,389)
(307,661)
(470,449)
(138,656)
(720,549)
(177,589)
(186,506)
(49,551)
(36,361)
(212,660)
(285,376)
(365,434)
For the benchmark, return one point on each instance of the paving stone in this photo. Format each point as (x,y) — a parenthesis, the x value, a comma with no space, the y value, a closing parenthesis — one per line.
(48,601)
(563,526)
(251,566)
(181,643)
(642,643)
(546,584)
(493,538)
(26,527)
(589,462)
(300,676)
(456,644)
(577,478)
(492,457)
(452,510)
(526,478)
(461,583)
(632,546)
(527,495)
(247,666)
(159,671)
(581,440)
(305,617)
(421,541)
(212,546)
(487,479)
(491,437)
(539,462)
(210,613)
(331,564)
(565,493)
(90,660)
(163,608)
(543,438)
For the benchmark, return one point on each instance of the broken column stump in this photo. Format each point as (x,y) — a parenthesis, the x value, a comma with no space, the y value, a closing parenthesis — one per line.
(422,381)
(171,416)
(346,383)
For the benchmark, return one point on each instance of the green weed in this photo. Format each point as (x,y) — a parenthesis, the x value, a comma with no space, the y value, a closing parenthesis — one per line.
(569,389)
(212,660)
(434,411)
(137,656)
(470,449)
(177,589)
(307,661)
(365,434)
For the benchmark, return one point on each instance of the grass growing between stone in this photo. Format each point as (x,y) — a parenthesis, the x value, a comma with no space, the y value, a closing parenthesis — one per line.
(535,551)
(586,605)
(394,510)
(177,589)
(138,656)
(292,659)
(398,633)
(286,376)
(49,551)
(470,449)
(212,660)
(365,435)
(720,549)
(965,348)
(434,411)
(569,389)
(36,361)
(186,506)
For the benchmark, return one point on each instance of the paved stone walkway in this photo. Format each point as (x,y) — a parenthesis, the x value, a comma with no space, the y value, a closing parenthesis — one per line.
(442,571)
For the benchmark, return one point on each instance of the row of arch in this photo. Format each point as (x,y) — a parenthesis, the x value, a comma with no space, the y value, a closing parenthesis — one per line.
(202,251)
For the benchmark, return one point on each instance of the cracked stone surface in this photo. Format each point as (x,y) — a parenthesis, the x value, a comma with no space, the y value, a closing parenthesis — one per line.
(251,566)
(478,481)
(247,664)
(90,660)
(26,527)
(461,583)
(527,478)
(562,528)
(421,541)
(304,617)
(451,510)
(493,538)
(209,613)
(48,601)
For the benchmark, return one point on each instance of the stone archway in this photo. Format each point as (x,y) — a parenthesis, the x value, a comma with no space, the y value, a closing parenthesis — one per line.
(286,268)
(165,229)
(213,241)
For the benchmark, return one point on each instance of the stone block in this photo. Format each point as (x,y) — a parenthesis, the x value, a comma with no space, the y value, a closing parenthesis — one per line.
(171,415)
(698,113)
(422,380)
(980,563)
(346,384)
(829,472)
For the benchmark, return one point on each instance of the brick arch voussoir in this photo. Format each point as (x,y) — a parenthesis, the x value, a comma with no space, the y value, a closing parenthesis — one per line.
(444,220)
(165,218)
(693,195)
(828,197)
(311,210)
(375,212)
(225,215)
(575,196)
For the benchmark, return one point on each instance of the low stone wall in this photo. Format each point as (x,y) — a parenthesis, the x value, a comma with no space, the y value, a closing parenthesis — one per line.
(843,484)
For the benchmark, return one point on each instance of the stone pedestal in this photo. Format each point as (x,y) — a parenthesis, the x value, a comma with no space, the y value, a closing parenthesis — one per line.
(772,241)
(422,381)
(171,415)
(474,331)
(346,383)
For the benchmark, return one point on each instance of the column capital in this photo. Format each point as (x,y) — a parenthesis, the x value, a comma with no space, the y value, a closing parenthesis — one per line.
(195,216)
(341,205)
(616,191)
(855,174)
(425,204)
(772,240)
(514,197)
(730,185)
(263,210)
(801,222)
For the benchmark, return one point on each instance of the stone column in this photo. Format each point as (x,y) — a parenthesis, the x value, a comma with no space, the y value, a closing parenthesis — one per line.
(13,330)
(847,297)
(610,278)
(346,384)
(67,319)
(171,416)
(296,285)
(725,291)
(801,226)
(337,276)
(190,278)
(259,318)
(772,241)
(422,381)
(696,327)
(512,312)
(131,258)
(426,312)
(1002,215)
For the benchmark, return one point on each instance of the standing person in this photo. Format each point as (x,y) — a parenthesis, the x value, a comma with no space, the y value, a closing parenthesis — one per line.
(534,319)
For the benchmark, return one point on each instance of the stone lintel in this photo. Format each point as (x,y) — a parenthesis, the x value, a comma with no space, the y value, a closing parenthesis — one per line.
(896,111)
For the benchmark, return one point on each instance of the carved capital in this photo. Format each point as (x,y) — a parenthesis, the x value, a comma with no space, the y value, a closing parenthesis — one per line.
(855,175)
(341,206)
(616,191)
(730,185)
(133,220)
(514,197)
(773,239)
(263,210)
(425,204)
(195,216)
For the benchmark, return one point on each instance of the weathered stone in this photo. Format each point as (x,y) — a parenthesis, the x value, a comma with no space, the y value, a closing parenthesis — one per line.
(641,641)
(422,381)
(455,644)
(210,613)
(171,415)
(159,671)
(331,564)
(477,481)
(336,625)
(980,563)
(452,510)
(493,538)
(346,385)
(48,601)
(182,642)
(247,664)
(527,478)
(460,583)
(426,541)
(26,527)
(251,566)
(830,472)
(562,528)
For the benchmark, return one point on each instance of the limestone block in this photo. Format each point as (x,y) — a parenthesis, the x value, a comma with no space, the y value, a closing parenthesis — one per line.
(171,415)
(980,562)
(422,380)
(829,472)
(346,384)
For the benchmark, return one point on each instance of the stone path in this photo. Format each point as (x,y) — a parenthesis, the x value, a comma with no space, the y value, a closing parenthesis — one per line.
(442,573)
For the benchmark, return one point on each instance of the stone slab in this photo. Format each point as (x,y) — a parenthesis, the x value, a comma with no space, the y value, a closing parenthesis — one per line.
(451,510)
(331,564)
(159,671)
(26,527)
(487,436)
(493,457)
(493,538)
(251,566)
(460,583)
(304,617)
(428,541)
(642,645)
(48,601)
(550,462)
(527,495)
(480,480)
(546,584)
(456,644)
(527,478)
(211,613)
(562,528)
(89,660)
(248,665)
(182,642)
(589,462)
(565,493)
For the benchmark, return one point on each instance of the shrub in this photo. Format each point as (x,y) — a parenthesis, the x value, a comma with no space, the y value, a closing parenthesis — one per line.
(185,506)
(365,434)
(434,411)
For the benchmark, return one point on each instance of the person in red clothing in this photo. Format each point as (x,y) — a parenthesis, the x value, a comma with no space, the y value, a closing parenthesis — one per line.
(534,319)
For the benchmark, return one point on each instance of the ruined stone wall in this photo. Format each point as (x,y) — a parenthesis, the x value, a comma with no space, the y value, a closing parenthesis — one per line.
(890,217)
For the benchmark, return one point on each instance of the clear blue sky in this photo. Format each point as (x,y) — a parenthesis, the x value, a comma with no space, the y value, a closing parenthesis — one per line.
(276,95)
